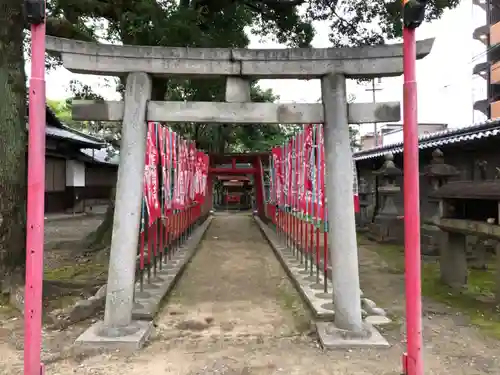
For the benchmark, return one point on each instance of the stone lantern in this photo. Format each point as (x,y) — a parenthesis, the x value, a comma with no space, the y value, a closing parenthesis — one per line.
(387,225)
(438,173)
(363,218)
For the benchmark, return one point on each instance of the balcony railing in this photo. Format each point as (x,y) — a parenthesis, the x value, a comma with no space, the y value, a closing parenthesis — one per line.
(495,34)
(495,73)
(495,110)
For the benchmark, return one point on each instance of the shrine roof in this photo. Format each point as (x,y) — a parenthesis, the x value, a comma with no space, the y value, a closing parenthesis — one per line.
(447,137)
(56,129)
(240,157)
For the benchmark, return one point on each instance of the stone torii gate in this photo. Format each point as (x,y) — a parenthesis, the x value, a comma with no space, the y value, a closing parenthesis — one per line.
(239,66)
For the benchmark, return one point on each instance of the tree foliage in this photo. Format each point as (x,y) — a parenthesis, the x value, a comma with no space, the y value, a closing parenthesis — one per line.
(216,22)
(223,23)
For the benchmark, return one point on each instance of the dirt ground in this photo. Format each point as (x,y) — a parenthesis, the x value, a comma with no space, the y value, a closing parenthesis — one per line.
(234,312)
(62,237)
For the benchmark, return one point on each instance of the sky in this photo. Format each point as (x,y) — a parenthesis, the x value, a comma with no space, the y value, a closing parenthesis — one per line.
(446,87)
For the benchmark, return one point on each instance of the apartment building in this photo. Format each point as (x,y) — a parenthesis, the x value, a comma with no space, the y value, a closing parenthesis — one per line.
(489,35)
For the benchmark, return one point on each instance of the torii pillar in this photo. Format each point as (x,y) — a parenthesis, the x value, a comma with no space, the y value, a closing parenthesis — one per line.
(342,227)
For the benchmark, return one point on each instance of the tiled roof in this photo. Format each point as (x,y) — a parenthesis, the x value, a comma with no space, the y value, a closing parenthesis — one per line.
(488,129)
(57,129)
(101,156)
(72,135)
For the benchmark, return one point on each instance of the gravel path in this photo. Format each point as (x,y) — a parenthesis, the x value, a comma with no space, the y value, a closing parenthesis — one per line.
(234,312)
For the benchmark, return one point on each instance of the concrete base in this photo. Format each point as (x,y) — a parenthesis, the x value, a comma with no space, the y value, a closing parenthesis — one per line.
(148,301)
(133,338)
(331,337)
(311,290)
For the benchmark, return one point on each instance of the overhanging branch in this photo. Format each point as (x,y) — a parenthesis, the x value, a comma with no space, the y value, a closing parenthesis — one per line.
(62,28)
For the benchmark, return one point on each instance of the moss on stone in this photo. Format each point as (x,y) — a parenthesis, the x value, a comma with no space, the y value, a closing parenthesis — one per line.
(290,301)
(476,300)
(77,272)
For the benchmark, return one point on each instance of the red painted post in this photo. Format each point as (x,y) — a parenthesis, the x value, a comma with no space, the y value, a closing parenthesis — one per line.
(412,17)
(35,12)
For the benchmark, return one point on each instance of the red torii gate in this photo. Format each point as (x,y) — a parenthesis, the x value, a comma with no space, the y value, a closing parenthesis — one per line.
(255,159)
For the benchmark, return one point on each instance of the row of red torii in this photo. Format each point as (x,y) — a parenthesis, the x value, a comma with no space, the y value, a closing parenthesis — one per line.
(175,192)
(239,66)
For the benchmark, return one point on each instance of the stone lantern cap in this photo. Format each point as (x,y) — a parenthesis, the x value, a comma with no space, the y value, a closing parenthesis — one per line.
(389,169)
(438,168)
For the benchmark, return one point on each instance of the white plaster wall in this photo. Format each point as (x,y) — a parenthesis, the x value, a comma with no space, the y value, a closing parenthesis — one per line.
(75,173)
(391,138)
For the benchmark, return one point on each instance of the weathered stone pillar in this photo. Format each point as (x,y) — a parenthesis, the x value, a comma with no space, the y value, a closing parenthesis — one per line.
(127,216)
(342,229)
(388,220)
(453,260)
(438,173)
(363,218)
(237,90)
(477,247)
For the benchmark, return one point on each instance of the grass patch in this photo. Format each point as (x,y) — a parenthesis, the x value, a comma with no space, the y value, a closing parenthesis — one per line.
(477,300)
(290,301)
(77,272)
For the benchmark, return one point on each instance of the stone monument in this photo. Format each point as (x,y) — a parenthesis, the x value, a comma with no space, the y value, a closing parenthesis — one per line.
(437,173)
(388,220)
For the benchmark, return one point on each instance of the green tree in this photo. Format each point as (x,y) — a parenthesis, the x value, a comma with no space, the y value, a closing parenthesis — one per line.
(13,145)
(222,23)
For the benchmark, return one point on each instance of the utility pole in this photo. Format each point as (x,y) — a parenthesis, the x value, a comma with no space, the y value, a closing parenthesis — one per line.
(374,89)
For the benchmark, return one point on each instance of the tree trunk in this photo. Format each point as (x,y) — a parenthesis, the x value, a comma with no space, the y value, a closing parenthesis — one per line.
(13,142)
(101,237)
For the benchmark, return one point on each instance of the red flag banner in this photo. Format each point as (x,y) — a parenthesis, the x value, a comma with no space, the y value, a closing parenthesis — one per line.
(321,172)
(355,186)
(176,166)
(277,154)
(151,175)
(206,164)
(301,172)
(192,172)
(162,139)
(168,169)
(296,167)
(182,172)
(289,170)
(201,175)
(309,158)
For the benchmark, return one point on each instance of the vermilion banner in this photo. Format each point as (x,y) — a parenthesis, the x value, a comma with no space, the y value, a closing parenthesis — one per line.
(277,153)
(151,174)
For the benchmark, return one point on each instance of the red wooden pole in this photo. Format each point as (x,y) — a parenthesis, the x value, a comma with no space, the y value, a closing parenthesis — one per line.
(36,196)
(413,360)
